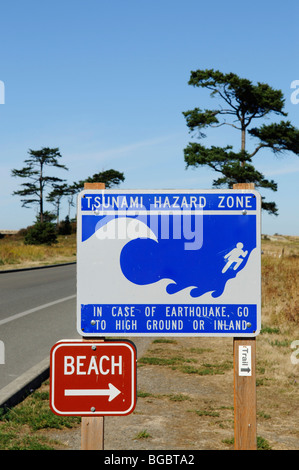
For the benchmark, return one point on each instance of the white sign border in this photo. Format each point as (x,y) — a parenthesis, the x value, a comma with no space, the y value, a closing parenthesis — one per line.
(256,212)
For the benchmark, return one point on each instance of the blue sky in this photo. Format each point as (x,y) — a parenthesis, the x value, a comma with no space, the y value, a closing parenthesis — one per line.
(107,82)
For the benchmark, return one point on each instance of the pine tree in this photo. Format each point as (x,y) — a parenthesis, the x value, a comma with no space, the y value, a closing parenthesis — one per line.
(241,103)
(34,188)
(109,177)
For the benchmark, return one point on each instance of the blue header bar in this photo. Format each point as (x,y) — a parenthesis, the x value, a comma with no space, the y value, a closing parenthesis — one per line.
(108,201)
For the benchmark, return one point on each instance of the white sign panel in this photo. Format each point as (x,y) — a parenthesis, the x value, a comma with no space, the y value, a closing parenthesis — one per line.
(168,263)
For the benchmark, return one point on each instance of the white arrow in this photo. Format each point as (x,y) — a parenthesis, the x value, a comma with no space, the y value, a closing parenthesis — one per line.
(112,392)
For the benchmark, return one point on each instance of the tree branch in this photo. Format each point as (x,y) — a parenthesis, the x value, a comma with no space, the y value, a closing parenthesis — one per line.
(257,149)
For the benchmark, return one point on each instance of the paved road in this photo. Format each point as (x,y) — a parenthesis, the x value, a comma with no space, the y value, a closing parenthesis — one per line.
(37,309)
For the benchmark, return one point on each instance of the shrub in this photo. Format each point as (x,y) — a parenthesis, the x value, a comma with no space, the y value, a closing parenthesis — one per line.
(65,227)
(41,233)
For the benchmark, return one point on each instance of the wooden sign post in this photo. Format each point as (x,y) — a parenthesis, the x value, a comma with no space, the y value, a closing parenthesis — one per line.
(92,428)
(245,384)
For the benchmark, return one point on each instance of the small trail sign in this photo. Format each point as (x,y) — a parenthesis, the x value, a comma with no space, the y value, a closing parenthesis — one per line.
(89,378)
(245,368)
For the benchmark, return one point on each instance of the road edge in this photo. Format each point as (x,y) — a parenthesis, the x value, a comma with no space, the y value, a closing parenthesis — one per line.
(18,389)
(36,267)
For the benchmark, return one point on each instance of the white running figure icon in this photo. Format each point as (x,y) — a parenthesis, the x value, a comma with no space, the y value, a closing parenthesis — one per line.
(234,257)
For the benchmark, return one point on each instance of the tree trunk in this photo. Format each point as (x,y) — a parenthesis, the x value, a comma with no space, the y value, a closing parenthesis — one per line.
(41,208)
(243,137)
(243,134)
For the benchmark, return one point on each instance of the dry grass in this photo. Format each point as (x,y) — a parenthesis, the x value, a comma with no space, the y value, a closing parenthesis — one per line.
(280,268)
(15,254)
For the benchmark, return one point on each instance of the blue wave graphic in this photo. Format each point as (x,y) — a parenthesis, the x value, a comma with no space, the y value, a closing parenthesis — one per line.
(144,261)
